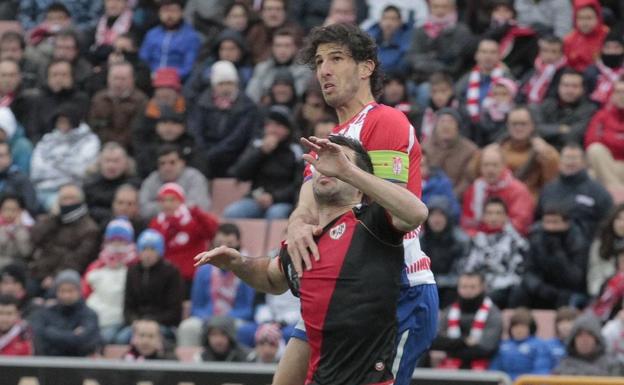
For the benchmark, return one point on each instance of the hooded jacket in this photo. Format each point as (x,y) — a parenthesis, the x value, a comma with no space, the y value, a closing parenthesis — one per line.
(236,353)
(607,127)
(518,357)
(264,75)
(583,49)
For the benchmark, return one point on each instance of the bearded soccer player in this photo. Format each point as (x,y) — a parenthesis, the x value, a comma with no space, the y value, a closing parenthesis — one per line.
(345,61)
(349,298)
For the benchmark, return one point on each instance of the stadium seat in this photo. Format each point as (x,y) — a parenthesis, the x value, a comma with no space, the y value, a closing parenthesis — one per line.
(115,352)
(9,25)
(187,353)
(277,232)
(226,191)
(253,235)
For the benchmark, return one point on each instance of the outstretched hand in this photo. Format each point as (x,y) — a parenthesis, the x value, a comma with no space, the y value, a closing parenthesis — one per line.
(330,161)
(222,257)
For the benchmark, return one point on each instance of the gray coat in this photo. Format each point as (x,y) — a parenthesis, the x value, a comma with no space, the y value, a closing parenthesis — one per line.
(264,73)
(551,114)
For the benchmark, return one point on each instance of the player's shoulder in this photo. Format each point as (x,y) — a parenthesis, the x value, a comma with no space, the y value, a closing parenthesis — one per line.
(385,113)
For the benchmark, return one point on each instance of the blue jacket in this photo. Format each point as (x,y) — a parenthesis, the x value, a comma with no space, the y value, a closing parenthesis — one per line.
(21,150)
(201,303)
(556,350)
(177,48)
(529,356)
(438,184)
(392,54)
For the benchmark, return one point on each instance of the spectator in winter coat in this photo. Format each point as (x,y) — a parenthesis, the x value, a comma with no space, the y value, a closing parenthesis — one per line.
(15,225)
(613,334)
(605,149)
(496,180)
(395,94)
(219,342)
(187,230)
(14,98)
(172,168)
(24,71)
(14,181)
(224,120)
(115,21)
(586,351)
(564,321)
(273,164)
(154,288)
(104,282)
(64,155)
(494,112)
(15,334)
(147,342)
(582,45)
(441,44)
(13,284)
(542,80)
(556,265)
(84,12)
(114,169)
(564,118)
(446,245)
(173,43)
(470,329)
(602,253)
(68,328)
(545,16)
(588,201)
(436,184)
(602,75)
(393,37)
(12,133)
(522,353)
(126,204)
(66,46)
(217,292)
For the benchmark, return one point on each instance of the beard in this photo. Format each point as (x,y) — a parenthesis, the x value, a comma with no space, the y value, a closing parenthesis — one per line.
(333,196)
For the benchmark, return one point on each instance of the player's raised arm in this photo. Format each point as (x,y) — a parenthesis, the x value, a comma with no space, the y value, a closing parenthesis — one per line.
(263,273)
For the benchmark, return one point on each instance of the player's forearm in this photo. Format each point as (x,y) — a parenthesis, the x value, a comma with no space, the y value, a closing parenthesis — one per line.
(256,273)
(404,206)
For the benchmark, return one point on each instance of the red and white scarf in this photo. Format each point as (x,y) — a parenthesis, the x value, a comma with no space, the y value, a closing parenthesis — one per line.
(606,80)
(478,324)
(506,44)
(538,84)
(435,25)
(483,190)
(473,95)
(9,336)
(223,288)
(105,35)
(427,124)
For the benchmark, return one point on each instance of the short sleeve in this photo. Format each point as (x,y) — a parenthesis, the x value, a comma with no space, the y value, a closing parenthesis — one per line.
(379,222)
(287,267)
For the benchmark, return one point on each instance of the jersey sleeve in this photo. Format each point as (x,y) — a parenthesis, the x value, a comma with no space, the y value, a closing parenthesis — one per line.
(379,222)
(287,267)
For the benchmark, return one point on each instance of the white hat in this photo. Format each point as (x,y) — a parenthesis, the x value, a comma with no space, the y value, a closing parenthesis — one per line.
(223,71)
(8,124)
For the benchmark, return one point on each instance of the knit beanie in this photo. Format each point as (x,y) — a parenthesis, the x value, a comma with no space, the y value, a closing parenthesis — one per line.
(119,229)
(67,276)
(223,71)
(172,189)
(151,239)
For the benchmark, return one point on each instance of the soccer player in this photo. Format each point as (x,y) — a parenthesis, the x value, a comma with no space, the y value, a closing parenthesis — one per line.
(346,65)
(349,298)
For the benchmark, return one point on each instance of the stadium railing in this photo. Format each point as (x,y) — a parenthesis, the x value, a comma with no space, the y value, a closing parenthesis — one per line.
(568,380)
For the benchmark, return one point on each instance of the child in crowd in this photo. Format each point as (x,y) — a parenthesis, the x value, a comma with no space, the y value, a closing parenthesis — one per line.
(15,335)
(219,342)
(147,342)
(564,320)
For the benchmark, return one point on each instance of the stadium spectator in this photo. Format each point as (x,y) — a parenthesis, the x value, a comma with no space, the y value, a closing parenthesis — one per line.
(441,94)
(219,342)
(147,342)
(564,117)
(323,128)
(12,89)
(283,51)
(20,147)
(172,168)
(582,45)
(446,245)
(449,150)
(268,341)
(523,352)
(556,264)
(13,180)
(114,109)
(282,310)
(497,251)
(435,183)
(311,111)
(564,320)
(587,351)
(588,201)
(496,180)
(282,91)
(114,22)
(517,42)
(217,292)
(441,44)
(224,120)
(41,38)
(496,107)
(126,204)
(104,282)
(114,168)
(238,17)
(66,239)
(545,16)
(273,164)
(533,161)
(605,72)
(13,281)
(609,301)
(393,37)
(470,329)
(63,155)
(186,228)
(59,90)
(542,80)
(414,12)
(396,94)
(154,288)
(605,152)
(15,225)
(602,253)
(15,334)
(85,13)
(70,327)
(67,47)
(341,11)
(612,333)
(13,48)
(473,88)
(173,43)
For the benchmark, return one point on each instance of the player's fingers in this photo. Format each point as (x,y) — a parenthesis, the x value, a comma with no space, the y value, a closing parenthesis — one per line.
(313,249)
(293,252)
(306,143)
(309,158)
(307,263)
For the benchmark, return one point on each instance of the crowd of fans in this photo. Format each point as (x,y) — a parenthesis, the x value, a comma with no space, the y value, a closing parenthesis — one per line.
(116,115)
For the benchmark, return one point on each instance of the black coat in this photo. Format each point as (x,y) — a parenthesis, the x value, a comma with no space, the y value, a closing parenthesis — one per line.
(551,114)
(14,181)
(445,249)
(146,155)
(46,104)
(100,193)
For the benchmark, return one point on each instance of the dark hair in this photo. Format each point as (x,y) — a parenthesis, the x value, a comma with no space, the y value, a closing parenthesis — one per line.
(13,36)
(130,36)
(571,144)
(289,32)
(163,3)
(473,273)
(69,33)
(362,159)
(440,77)
(360,45)
(522,316)
(54,62)
(8,300)
(607,236)
(495,201)
(487,38)
(523,107)
(572,71)
(237,3)
(284,3)
(392,8)
(551,39)
(229,229)
(566,313)
(12,196)
(556,208)
(169,148)
(58,7)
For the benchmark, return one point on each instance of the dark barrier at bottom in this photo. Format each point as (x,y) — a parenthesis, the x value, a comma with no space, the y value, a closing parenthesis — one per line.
(77,371)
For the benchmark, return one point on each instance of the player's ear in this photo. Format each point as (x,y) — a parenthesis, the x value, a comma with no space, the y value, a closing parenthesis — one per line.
(366,68)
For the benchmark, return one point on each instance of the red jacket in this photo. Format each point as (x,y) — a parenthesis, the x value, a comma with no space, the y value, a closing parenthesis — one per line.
(583,49)
(607,127)
(17,341)
(515,194)
(187,233)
